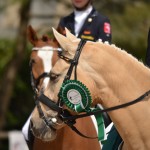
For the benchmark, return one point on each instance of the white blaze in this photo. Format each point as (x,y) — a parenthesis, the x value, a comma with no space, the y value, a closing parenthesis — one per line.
(46,57)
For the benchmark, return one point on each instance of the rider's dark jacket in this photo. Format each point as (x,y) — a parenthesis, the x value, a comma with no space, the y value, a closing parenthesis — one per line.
(148,51)
(96,26)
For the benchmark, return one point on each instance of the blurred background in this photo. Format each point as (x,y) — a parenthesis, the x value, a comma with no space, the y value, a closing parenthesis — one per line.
(130,20)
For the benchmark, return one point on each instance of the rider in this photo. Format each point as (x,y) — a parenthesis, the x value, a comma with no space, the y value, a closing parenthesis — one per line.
(85,22)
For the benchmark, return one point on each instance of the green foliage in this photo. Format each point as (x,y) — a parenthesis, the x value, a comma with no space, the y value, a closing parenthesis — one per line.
(130,22)
(22,102)
(6,52)
(130,29)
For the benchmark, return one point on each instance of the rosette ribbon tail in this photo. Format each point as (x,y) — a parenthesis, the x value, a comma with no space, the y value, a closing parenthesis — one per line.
(101,126)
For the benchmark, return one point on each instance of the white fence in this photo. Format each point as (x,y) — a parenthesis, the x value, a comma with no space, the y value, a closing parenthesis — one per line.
(16,140)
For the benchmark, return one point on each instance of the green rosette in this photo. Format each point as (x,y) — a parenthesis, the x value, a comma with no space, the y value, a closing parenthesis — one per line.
(76,96)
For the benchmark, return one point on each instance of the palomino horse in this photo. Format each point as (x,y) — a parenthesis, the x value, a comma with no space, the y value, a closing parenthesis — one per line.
(43,57)
(113,78)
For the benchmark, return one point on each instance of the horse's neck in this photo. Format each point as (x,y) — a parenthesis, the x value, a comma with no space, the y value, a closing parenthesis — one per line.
(121,78)
(118,72)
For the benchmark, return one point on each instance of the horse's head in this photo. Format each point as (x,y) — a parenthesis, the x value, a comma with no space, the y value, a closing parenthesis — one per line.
(42,58)
(57,75)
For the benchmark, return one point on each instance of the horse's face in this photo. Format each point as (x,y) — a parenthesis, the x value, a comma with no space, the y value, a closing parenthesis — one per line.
(42,59)
(41,62)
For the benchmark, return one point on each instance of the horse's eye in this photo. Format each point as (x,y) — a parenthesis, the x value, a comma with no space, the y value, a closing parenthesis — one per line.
(32,61)
(53,76)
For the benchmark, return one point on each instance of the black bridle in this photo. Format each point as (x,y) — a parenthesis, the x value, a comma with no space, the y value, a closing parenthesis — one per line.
(34,84)
(69,119)
(45,100)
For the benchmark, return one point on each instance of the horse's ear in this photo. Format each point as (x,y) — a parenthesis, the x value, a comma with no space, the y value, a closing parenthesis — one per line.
(70,35)
(67,45)
(32,36)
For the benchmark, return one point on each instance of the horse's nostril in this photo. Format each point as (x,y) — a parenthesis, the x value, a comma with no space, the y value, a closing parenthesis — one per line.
(32,124)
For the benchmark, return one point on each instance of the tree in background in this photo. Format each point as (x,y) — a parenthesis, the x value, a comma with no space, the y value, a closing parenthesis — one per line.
(9,75)
(130,24)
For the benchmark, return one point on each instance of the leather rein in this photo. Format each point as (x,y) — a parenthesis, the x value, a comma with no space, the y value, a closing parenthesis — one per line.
(69,119)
